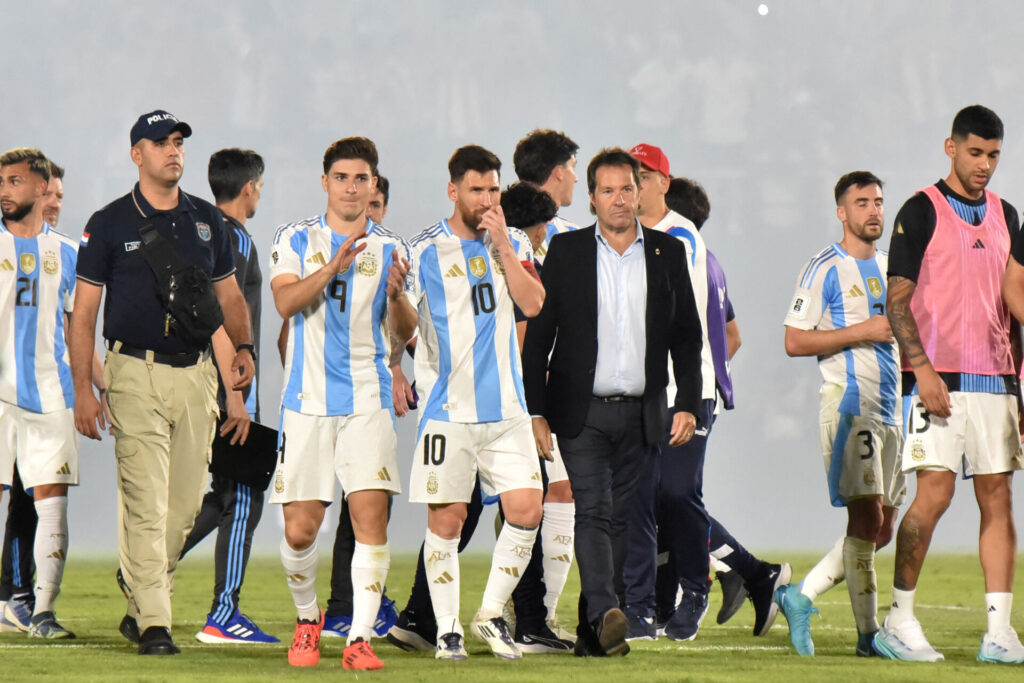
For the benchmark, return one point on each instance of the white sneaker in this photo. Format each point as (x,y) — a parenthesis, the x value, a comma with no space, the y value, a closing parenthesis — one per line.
(449,646)
(495,633)
(560,632)
(1003,647)
(906,642)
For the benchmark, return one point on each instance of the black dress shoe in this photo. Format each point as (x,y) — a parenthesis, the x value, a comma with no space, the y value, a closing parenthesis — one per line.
(129,628)
(587,644)
(611,631)
(156,640)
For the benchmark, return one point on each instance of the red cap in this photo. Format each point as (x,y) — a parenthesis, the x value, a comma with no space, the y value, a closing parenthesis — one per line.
(652,157)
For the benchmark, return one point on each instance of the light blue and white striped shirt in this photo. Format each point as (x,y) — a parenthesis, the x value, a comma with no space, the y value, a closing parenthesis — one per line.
(467,359)
(337,357)
(37,287)
(836,290)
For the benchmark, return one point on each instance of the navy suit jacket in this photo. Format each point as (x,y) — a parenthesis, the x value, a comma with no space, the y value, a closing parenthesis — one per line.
(560,388)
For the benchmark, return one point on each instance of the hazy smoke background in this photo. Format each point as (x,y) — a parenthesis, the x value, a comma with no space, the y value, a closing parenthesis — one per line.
(766,111)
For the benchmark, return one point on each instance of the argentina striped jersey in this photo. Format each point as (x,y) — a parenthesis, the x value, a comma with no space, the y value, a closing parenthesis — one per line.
(685,231)
(467,360)
(556,226)
(836,290)
(37,286)
(336,362)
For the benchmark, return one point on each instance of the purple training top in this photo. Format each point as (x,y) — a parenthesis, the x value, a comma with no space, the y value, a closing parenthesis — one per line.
(719,313)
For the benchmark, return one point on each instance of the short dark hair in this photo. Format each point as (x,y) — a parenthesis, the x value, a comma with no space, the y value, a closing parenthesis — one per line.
(525,206)
(979,120)
(352,148)
(855,179)
(56,171)
(538,154)
(611,156)
(384,186)
(230,169)
(37,161)
(688,198)
(472,158)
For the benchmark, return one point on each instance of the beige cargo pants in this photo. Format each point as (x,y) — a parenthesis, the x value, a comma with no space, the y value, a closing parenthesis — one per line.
(164,420)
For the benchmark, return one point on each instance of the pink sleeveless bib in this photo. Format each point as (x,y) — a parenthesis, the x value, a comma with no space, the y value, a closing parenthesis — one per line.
(958,302)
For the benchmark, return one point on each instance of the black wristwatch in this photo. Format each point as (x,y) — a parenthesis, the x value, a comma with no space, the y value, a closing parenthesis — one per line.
(248,347)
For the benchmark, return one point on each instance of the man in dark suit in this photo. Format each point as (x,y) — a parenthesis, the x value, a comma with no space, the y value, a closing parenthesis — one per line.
(618,302)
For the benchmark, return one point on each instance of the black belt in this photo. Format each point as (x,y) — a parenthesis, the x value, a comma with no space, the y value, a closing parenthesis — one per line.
(618,399)
(175,360)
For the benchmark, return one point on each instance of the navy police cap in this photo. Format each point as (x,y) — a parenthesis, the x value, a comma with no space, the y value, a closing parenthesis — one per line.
(156,125)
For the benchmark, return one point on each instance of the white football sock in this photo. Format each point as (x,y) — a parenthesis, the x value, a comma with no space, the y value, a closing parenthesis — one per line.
(50,550)
(717,565)
(902,607)
(300,570)
(512,552)
(998,607)
(556,537)
(859,563)
(441,561)
(369,572)
(827,573)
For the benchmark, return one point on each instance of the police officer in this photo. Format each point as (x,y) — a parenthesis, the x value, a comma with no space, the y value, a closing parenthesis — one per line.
(162,385)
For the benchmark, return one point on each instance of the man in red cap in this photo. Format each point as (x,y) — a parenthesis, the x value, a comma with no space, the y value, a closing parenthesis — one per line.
(675,497)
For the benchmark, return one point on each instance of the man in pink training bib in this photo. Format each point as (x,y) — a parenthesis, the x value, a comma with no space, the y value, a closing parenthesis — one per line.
(949,250)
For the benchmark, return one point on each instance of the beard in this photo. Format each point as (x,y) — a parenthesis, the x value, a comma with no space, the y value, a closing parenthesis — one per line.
(19,212)
(865,232)
(470,219)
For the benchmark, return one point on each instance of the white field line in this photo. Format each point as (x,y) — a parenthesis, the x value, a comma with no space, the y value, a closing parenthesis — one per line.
(953,608)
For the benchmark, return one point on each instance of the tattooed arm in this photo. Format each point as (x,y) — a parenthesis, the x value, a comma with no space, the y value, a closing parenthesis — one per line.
(932,390)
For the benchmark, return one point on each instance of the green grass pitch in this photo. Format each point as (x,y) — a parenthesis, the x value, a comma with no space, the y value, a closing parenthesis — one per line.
(950,606)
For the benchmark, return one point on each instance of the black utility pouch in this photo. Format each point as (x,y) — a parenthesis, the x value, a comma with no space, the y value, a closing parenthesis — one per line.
(185,290)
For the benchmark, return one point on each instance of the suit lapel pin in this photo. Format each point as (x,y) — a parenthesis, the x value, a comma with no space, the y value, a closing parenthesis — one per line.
(657,252)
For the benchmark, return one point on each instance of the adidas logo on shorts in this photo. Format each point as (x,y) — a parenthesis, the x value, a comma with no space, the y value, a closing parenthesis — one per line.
(383,475)
(64,469)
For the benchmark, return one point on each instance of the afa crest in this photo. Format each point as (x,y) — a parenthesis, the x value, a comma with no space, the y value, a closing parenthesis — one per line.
(50,263)
(498,265)
(869,476)
(432,486)
(28,263)
(478,266)
(368,265)
(917,451)
(203,230)
(875,287)
(279,482)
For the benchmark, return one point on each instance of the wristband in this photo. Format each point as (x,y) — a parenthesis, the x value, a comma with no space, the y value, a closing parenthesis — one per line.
(248,347)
